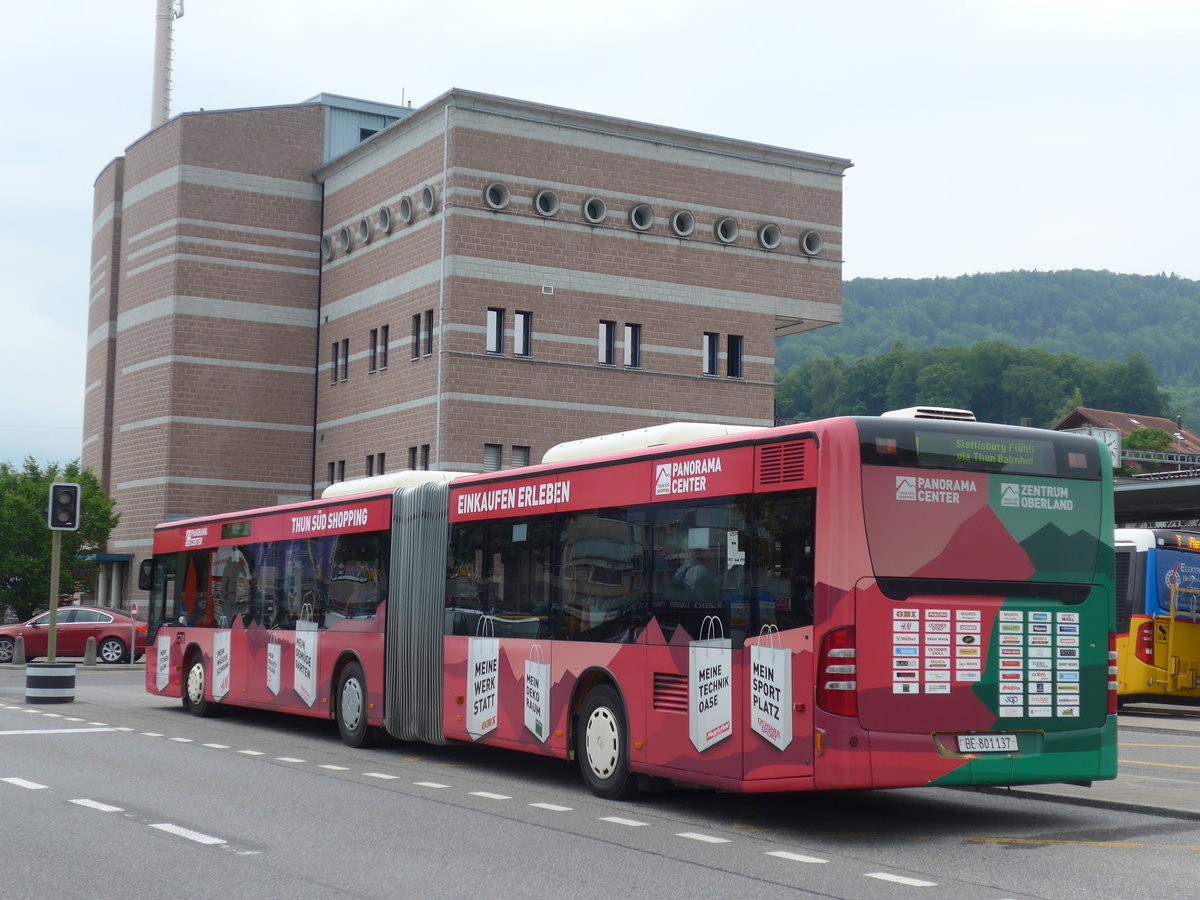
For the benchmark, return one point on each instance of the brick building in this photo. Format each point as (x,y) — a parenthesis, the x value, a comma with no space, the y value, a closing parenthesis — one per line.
(285,297)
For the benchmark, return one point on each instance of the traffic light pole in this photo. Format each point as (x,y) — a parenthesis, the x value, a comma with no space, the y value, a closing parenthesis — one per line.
(52,635)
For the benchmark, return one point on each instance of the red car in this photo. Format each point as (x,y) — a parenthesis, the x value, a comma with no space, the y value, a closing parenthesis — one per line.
(111,629)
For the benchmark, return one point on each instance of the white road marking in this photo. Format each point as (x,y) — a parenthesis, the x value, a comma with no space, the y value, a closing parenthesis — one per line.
(796,857)
(900,879)
(183,740)
(703,838)
(617,820)
(196,836)
(380,775)
(488,795)
(95,804)
(430,784)
(553,807)
(57,731)
(151,734)
(252,752)
(288,759)
(217,746)
(335,768)
(21,782)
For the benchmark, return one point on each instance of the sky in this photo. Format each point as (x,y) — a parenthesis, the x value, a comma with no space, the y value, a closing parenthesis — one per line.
(986,135)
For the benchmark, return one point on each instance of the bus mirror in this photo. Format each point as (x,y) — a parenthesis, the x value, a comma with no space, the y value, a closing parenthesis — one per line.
(146,575)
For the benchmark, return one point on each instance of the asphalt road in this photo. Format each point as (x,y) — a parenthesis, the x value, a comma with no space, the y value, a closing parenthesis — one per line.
(123,794)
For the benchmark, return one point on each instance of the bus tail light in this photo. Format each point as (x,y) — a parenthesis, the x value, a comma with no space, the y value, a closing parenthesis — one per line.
(837,673)
(1112,673)
(1143,648)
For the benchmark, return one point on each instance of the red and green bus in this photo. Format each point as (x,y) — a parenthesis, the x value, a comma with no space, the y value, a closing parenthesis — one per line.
(859,602)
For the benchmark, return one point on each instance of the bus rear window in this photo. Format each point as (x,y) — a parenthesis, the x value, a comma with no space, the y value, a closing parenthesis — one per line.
(979,448)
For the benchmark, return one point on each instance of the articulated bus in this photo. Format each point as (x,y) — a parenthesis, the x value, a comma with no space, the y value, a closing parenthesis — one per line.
(1158,614)
(848,603)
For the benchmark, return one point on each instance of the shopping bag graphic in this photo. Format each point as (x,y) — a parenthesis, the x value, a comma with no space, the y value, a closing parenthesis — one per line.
(483,675)
(537,693)
(710,686)
(305,665)
(162,675)
(274,656)
(221,663)
(771,688)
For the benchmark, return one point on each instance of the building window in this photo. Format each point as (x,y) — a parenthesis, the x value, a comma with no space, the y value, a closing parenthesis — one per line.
(424,456)
(370,464)
(416,336)
(331,474)
(379,457)
(373,359)
(412,457)
(520,456)
(495,330)
(607,343)
(633,345)
(491,457)
(428,332)
(733,356)
(522,333)
(341,470)
(383,349)
(712,342)
(345,358)
(333,363)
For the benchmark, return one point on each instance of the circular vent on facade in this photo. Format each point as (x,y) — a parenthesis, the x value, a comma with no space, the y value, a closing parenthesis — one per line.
(641,217)
(496,195)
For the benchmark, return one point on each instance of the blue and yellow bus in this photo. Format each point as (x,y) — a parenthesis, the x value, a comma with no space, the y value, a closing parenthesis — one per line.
(1158,614)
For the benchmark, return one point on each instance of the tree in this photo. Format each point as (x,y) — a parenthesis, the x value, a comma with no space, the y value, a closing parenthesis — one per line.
(1154,440)
(25,538)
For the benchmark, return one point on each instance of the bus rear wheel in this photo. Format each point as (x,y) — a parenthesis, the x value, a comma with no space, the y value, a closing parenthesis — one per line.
(602,745)
(352,707)
(193,689)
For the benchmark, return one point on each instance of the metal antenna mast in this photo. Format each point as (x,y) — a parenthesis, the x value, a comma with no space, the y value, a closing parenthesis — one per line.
(164,24)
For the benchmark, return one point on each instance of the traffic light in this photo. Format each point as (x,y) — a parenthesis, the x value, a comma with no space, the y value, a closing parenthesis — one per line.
(64,507)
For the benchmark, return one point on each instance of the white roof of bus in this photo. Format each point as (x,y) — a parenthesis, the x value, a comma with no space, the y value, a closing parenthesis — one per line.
(1140,538)
(641,438)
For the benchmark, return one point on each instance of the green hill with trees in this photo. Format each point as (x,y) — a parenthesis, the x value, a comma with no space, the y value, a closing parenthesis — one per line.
(1010,345)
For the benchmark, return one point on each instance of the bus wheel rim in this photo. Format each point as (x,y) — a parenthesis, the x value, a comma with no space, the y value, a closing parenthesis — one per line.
(352,704)
(195,683)
(601,738)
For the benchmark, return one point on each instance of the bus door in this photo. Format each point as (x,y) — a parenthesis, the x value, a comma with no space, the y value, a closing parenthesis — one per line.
(1177,640)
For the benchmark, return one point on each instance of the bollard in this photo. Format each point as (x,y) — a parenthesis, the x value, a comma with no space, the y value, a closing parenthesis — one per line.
(19,651)
(89,653)
(50,683)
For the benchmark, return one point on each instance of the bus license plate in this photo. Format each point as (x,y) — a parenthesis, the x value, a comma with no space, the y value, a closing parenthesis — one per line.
(987,743)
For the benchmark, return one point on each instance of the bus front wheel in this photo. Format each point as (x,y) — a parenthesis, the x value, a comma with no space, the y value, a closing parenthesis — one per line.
(193,689)
(352,707)
(603,745)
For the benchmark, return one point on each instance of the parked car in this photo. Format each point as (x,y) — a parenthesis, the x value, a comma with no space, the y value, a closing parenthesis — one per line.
(111,629)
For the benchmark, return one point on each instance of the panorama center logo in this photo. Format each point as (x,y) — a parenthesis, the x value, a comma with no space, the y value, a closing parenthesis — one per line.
(662,479)
(906,487)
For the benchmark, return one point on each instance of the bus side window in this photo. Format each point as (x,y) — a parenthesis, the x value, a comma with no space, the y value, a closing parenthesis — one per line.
(602,583)
(192,590)
(785,581)
(466,598)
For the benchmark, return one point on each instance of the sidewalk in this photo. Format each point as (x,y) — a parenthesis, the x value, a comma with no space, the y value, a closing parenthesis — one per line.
(1141,792)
